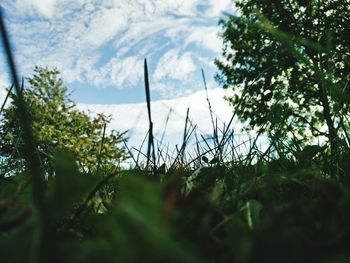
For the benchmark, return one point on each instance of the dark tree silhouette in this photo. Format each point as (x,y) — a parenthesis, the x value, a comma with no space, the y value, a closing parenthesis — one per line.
(289,64)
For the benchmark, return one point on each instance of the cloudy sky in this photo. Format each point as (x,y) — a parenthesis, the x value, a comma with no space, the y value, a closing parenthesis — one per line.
(99,47)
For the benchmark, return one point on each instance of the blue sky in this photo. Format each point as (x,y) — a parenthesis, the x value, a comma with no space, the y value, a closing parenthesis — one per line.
(99,46)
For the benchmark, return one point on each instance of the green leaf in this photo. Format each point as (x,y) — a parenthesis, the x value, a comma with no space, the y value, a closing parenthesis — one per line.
(252,210)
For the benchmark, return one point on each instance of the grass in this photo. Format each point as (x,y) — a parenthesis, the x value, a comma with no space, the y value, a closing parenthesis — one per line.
(224,201)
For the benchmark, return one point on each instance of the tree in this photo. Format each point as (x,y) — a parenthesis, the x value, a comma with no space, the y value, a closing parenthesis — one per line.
(288,63)
(57,124)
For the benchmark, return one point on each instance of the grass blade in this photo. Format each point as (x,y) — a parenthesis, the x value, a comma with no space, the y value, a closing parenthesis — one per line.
(150,134)
(6,98)
(29,147)
(41,245)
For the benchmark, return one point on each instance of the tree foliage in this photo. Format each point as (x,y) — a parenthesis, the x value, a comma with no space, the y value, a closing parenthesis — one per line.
(58,124)
(289,65)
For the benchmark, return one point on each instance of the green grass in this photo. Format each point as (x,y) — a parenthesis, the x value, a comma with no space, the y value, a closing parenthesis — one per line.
(216,203)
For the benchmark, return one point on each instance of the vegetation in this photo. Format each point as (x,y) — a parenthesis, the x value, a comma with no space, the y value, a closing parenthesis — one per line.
(58,124)
(288,203)
(288,62)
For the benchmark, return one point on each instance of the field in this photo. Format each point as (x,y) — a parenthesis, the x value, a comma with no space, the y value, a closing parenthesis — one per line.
(220,201)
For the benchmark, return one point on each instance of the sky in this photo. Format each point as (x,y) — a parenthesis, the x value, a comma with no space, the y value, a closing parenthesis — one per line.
(99,47)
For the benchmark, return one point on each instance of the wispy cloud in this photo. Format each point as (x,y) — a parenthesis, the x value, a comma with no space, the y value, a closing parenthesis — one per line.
(45,8)
(174,65)
(103,43)
(205,37)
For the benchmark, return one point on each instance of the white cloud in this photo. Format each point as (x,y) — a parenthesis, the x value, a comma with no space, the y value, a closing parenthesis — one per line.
(128,71)
(134,117)
(206,37)
(45,8)
(103,26)
(174,65)
(218,7)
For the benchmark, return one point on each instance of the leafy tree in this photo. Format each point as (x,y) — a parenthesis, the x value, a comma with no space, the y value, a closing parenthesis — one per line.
(288,63)
(58,124)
